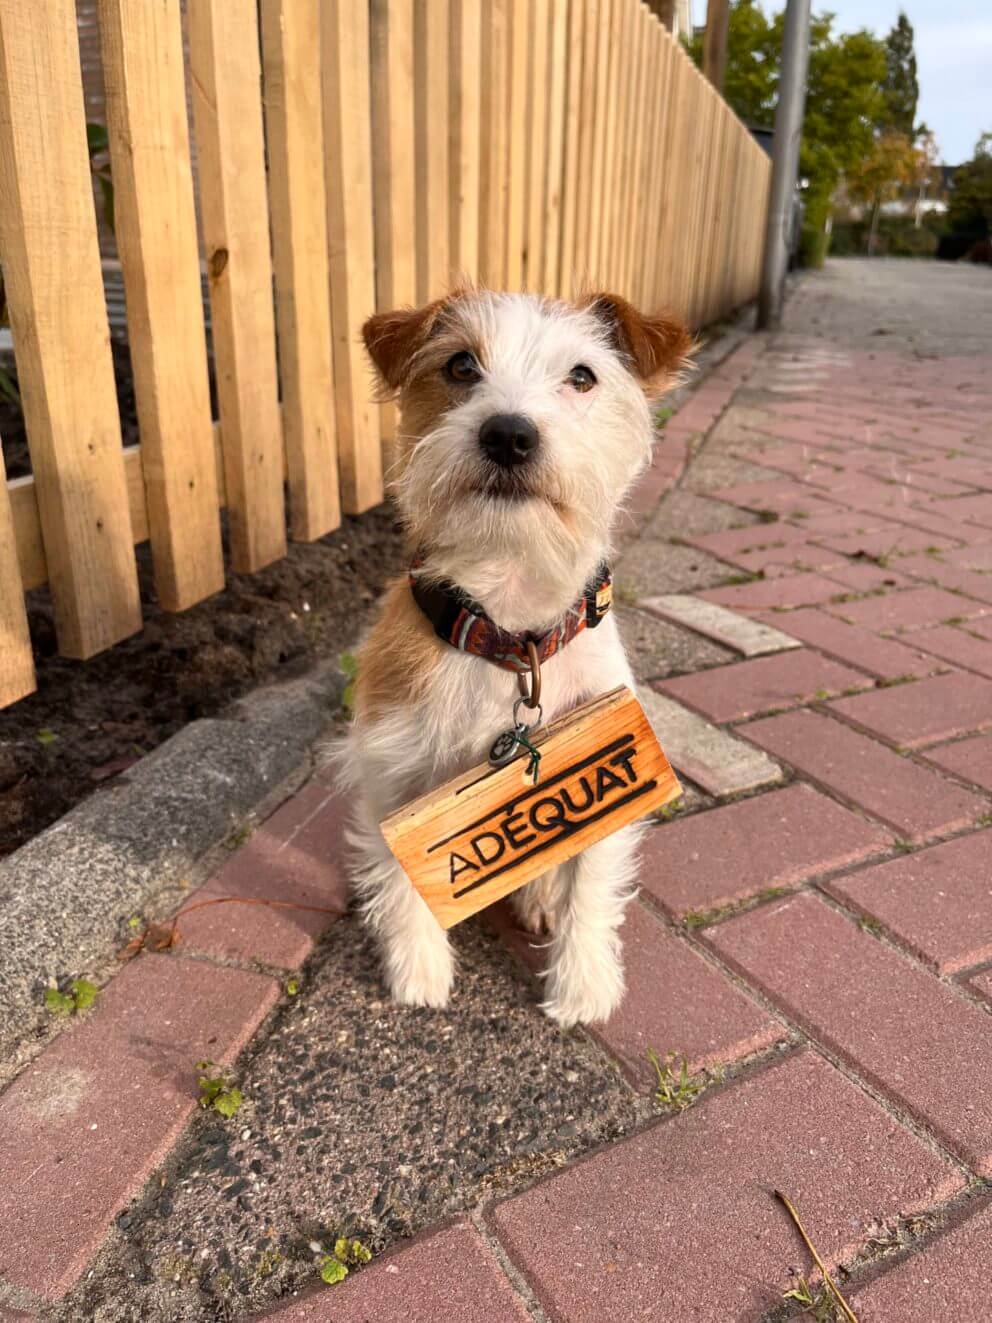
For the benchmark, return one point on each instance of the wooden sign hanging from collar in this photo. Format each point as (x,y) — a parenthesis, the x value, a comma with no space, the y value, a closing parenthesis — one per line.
(488,832)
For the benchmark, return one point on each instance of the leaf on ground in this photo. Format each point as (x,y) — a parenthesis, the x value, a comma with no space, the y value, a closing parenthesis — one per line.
(332,1270)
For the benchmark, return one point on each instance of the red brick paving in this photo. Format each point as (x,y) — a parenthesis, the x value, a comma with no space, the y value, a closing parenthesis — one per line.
(775,840)
(956,645)
(675,1000)
(882,657)
(295,855)
(915,802)
(925,711)
(982,984)
(729,693)
(971,759)
(679,1221)
(946,1279)
(912,609)
(85,1125)
(937,902)
(449,1274)
(783,593)
(951,577)
(909,1035)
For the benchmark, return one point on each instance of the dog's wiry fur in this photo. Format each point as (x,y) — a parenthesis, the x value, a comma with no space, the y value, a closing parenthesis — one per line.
(424,711)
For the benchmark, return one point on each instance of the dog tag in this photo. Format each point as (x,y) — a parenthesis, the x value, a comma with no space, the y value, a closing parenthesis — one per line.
(492,830)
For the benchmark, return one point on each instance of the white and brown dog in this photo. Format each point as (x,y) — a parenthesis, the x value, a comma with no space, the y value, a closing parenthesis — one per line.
(524,421)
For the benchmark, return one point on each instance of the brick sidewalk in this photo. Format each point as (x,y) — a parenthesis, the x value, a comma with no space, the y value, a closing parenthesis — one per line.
(820,945)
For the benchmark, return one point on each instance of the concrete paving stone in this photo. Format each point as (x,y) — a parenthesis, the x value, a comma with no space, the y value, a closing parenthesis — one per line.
(925,711)
(718,762)
(88,1121)
(448,1274)
(914,801)
(763,684)
(680,1222)
(881,657)
(945,1279)
(952,577)
(910,609)
(676,1001)
(296,855)
(972,509)
(775,594)
(734,852)
(971,759)
(937,902)
(956,645)
(741,633)
(909,1035)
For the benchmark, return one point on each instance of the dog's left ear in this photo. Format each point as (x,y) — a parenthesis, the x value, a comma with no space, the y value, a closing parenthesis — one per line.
(654,347)
(392,339)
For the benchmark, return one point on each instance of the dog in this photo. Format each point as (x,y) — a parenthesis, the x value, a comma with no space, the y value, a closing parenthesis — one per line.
(523,422)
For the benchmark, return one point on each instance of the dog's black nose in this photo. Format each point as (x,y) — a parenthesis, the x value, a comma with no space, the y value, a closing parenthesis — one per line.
(508,439)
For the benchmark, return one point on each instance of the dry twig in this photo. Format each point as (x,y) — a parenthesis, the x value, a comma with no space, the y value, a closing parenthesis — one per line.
(848,1311)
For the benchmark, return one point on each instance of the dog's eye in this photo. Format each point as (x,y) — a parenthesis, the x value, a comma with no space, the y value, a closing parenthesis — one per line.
(581,378)
(463,369)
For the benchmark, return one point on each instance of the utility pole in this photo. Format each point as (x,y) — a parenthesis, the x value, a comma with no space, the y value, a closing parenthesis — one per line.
(715,41)
(785,161)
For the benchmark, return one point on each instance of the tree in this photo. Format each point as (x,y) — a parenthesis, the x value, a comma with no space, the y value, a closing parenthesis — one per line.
(891,163)
(902,91)
(970,208)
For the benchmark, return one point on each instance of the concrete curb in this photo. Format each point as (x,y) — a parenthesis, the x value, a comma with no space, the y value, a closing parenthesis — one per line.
(66,894)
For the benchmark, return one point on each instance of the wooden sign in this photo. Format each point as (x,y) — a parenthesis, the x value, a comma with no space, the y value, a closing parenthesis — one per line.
(488,832)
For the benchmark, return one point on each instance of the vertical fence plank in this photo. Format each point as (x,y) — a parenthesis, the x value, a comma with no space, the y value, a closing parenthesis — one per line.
(518,132)
(495,148)
(539,80)
(464,140)
(16,662)
(550,276)
(432,37)
(227,108)
(567,279)
(291,63)
(51,266)
(591,35)
(344,43)
(143,74)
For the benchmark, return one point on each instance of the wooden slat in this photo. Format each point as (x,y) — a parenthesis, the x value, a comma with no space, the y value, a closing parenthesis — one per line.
(227,106)
(494,183)
(518,132)
(612,210)
(348,173)
(539,80)
(432,41)
(156,236)
(626,104)
(291,63)
(465,119)
(568,274)
(550,279)
(51,266)
(16,662)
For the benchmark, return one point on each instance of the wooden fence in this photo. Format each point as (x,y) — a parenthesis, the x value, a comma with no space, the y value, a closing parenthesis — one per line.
(358,154)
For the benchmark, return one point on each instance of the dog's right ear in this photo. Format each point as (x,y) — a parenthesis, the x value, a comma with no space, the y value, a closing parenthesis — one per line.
(393,338)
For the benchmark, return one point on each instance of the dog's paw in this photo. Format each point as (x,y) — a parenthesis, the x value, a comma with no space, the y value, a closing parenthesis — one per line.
(584,996)
(423,977)
(532,916)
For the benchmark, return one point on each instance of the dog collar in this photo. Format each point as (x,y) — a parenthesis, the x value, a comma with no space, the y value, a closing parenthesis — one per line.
(461,621)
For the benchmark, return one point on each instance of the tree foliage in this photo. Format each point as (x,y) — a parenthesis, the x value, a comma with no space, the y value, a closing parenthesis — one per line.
(902,91)
(970,207)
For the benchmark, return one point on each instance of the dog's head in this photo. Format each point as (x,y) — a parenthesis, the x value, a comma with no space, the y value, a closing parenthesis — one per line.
(523,419)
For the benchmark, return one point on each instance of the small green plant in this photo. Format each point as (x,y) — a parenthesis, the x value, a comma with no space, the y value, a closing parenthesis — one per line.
(349,665)
(662,415)
(818,1306)
(905,847)
(46,736)
(675,1086)
(347,1254)
(217,1090)
(869,924)
(238,837)
(292,987)
(801,1293)
(80,997)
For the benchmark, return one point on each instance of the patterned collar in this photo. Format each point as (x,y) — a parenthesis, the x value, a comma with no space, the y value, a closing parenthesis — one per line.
(462,622)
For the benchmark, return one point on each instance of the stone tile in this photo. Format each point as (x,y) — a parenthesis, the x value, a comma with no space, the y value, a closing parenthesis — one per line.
(937,902)
(982,984)
(675,1000)
(946,1279)
(718,762)
(744,635)
(730,693)
(972,509)
(736,851)
(733,542)
(915,802)
(88,1121)
(970,759)
(958,646)
(952,577)
(775,594)
(447,1274)
(915,608)
(679,1221)
(881,657)
(772,562)
(859,577)
(893,540)
(296,856)
(981,627)
(925,711)
(782,497)
(900,1028)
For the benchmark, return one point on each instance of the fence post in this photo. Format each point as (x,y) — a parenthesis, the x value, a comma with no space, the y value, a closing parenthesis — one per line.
(16,663)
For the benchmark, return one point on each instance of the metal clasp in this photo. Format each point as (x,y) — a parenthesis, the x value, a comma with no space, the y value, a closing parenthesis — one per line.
(531,694)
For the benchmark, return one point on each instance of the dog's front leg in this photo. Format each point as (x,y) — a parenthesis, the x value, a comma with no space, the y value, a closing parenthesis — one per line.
(417,960)
(585,977)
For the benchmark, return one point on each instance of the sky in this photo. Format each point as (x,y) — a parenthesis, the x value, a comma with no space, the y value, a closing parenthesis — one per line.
(953,54)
